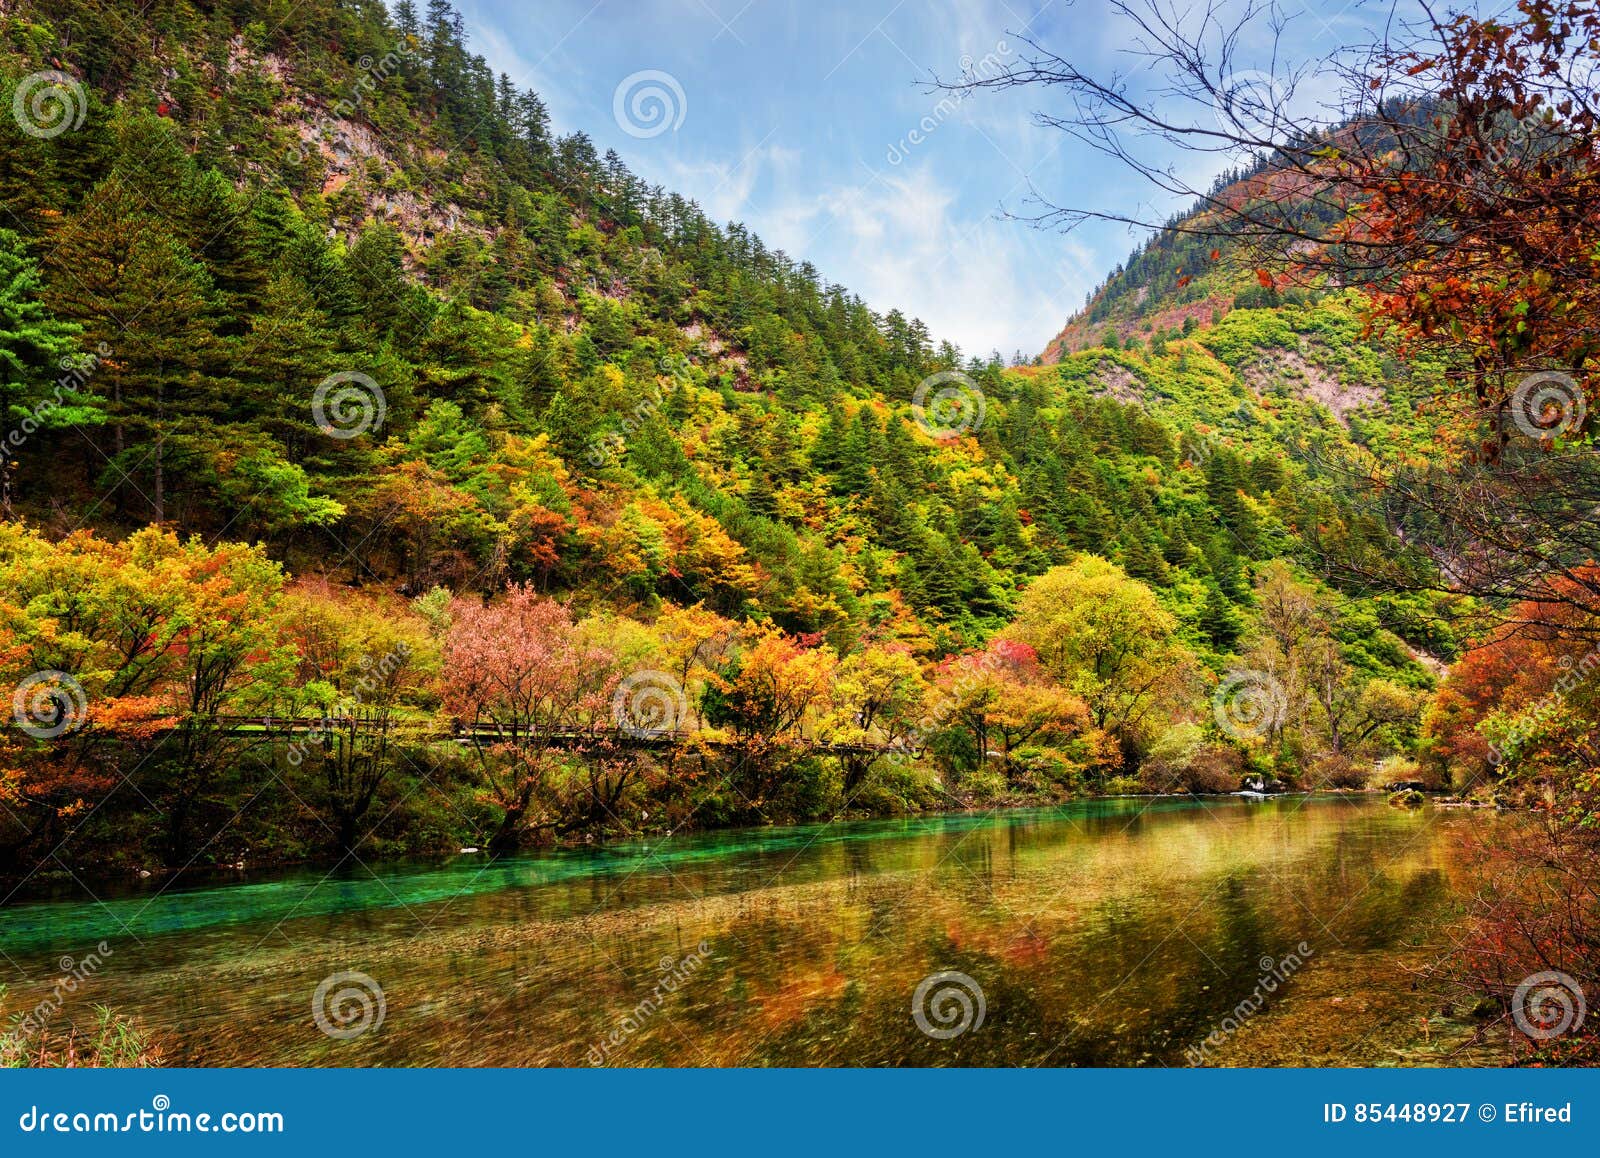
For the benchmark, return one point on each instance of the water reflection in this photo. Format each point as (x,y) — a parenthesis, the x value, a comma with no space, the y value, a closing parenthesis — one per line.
(1108,933)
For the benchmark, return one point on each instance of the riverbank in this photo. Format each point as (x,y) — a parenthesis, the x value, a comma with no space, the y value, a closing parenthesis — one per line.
(1103,932)
(241,864)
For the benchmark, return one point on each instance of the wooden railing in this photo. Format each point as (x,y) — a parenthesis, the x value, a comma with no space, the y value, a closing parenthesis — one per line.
(482,733)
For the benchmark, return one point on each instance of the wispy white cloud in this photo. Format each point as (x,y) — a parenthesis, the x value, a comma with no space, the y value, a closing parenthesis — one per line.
(975,280)
(790,122)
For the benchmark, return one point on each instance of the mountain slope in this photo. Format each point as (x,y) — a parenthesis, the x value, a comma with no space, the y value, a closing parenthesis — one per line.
(314,281)
(582,380)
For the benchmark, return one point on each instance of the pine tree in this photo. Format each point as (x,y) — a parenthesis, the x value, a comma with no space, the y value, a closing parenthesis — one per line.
(41,385)
(1218,619)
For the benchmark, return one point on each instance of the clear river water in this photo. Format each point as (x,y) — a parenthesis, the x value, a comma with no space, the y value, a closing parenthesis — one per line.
(1110,932)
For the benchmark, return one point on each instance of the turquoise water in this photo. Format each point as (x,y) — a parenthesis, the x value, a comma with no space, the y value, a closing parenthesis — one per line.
(1116,932)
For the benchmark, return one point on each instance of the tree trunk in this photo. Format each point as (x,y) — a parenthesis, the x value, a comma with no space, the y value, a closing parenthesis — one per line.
(508,837)
(119,444)
(160,497)
(856,768)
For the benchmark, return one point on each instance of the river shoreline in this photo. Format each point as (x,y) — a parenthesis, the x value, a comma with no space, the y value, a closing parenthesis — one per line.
(814,937)
(53,883)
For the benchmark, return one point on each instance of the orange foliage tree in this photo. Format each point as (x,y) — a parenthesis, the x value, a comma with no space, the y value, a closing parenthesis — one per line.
(534,687)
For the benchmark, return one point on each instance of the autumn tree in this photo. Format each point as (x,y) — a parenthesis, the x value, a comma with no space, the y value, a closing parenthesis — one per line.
(1002,698)
(358,668)
(878,698)
(768,694)
(694,641)
(159,642)
(1107,638)
(524,679)
(1448,166)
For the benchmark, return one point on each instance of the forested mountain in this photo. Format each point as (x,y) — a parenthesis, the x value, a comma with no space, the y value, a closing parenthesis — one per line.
(313,279)
(697,417)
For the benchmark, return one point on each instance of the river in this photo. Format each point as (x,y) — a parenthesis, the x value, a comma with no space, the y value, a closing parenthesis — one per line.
(1110,932)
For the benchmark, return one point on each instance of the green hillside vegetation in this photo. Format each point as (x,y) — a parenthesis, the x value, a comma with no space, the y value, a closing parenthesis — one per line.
(325,349)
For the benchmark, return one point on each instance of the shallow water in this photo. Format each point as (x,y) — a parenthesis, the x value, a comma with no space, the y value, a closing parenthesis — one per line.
(1113,932)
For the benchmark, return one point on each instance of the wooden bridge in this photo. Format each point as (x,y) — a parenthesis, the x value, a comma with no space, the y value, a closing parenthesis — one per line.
(485,733)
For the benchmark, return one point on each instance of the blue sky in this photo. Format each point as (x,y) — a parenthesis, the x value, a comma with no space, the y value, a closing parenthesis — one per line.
(796,118)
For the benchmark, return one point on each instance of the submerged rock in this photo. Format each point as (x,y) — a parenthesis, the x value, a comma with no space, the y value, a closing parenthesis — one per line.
(1407,798)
